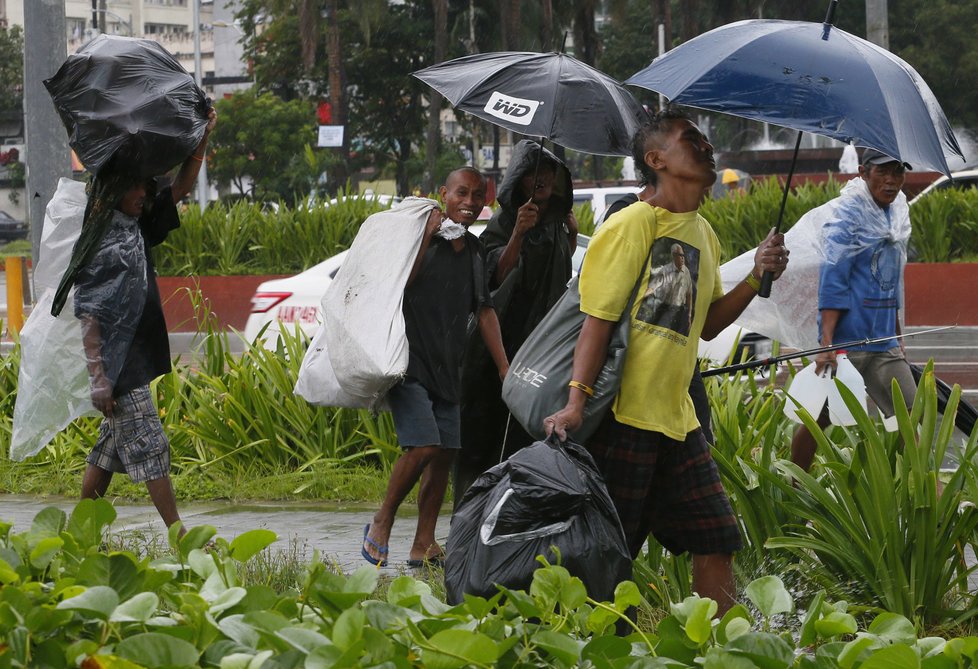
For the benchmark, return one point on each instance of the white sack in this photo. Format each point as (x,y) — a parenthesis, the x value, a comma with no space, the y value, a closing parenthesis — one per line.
(52,386)
(790,314)
(361,350)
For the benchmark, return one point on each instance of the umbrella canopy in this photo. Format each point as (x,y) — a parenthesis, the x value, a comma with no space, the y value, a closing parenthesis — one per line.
(549,95)
(810,77)
(129,100)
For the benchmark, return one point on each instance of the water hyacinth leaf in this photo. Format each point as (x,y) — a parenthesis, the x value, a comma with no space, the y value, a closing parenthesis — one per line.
(111,662)
(434,606)
(245,661)
(807,634)
(719,658)
(235,628)
(45,551)
(88,519)
(48,523)
(602,649)
(196,537)
(696,616)
(348,629)
(627,594)
(451,649)
(897,656)
(139,608)
(561,646)
(523,603)
(406,591)
(770,596)
(8,574)
(893,628)
(835,624)
(673,641)
(600,618)
(302,639)
(153,649)
(961,648)
(362,582)
(739,617)
(930,645)
(99,601)
(324,657)
(854,651)
(246,546)
(227,599)
(767,651)
(546,584)
(573,594)
(201,563)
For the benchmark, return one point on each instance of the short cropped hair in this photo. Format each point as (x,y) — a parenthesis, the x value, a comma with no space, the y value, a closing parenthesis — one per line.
(658,123)
(466,169)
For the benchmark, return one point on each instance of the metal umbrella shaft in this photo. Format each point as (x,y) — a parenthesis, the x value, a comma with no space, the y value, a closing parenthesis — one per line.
(814,351)
(767,278)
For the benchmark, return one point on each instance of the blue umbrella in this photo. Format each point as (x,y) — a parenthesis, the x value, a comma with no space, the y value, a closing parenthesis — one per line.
(799,75)
(811,77)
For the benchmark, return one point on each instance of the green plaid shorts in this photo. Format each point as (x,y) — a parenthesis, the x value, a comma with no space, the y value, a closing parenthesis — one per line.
(132,439)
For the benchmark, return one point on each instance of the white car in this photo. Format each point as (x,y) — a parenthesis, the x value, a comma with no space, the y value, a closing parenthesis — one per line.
(601,198)
(963,179)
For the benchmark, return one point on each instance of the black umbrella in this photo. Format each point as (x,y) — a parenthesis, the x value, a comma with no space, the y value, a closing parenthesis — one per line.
(129,103)
(811,77)
(548,95)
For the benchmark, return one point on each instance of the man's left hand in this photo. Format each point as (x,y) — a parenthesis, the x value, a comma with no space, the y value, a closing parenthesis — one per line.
(771,255)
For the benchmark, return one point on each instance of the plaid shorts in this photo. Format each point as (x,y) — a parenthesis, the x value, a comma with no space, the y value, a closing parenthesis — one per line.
(667,488)
(132,439)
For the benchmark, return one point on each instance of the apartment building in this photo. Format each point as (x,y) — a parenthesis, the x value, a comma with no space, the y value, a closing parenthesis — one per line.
(169,22)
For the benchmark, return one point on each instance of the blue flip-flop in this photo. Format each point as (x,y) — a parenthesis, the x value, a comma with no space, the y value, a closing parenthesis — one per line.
(382,562)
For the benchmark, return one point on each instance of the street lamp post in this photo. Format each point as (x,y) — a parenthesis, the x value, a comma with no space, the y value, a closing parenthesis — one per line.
(198,76)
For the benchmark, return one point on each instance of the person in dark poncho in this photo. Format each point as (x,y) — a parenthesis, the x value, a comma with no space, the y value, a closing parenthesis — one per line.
(124,333)
(529,244)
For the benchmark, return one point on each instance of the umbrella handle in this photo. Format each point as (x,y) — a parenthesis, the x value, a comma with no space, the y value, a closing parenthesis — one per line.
(767,278)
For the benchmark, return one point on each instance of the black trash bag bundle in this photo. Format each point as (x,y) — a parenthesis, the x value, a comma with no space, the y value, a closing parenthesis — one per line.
(546,495)
(127,102)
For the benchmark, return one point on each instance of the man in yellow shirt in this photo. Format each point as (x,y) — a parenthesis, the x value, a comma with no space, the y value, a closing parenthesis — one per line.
(650,449)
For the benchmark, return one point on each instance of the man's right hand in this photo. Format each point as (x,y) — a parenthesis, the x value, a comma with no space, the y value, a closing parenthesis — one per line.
(566,420)
(102,394)
(527,217)
(826,359)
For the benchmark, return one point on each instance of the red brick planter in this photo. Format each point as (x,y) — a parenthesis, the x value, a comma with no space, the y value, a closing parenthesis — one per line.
(941,294)
(229,298)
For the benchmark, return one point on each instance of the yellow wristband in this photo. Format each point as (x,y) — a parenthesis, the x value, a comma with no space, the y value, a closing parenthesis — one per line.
(586,389)
(753,283)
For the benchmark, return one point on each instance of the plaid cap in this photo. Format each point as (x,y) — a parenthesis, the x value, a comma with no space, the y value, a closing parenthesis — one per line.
(874,157)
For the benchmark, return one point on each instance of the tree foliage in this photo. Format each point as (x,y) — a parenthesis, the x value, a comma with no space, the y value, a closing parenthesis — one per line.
(263,137)
(11,67)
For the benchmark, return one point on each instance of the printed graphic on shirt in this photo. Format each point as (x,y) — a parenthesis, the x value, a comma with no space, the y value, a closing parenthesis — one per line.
(670,295)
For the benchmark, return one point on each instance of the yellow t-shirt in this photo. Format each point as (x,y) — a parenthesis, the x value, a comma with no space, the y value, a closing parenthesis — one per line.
(680,281)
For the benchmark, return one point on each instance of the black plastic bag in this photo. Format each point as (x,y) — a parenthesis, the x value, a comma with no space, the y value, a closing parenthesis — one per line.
(546,495)
(127,102)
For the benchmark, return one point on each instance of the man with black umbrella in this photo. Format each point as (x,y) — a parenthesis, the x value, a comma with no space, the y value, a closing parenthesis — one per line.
(650,450)
(860,284)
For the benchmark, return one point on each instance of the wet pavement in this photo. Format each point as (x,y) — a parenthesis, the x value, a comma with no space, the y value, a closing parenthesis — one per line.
(336,531)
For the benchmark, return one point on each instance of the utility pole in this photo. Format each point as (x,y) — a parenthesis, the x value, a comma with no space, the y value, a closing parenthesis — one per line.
(877,23)
(198,76)
(48,158)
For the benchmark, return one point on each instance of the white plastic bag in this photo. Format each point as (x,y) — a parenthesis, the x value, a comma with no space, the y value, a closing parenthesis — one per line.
(790,314)
(52,385)
(361,350)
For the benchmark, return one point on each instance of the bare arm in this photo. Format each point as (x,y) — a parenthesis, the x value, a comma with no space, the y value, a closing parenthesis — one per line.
(101,386)
(830,319)
(430,228)
(191,166)
(771,256)
(526,218)
(589,356)
(493,338)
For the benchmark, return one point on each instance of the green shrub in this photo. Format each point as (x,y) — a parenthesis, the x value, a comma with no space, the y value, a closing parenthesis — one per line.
(66,601)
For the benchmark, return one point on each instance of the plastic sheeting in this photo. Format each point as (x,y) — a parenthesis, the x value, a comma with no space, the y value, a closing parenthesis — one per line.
(53,388)
(361,349)
(128,99)
(822,235)
(546,495)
